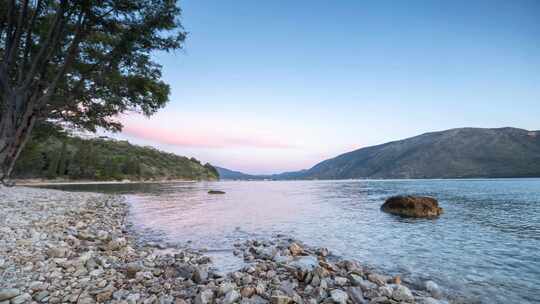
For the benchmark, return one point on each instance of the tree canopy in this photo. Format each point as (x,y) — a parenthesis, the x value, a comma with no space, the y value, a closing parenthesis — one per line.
(80,62)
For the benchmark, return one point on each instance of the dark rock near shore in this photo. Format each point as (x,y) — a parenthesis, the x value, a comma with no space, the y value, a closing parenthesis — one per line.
(412,206)
(216,192)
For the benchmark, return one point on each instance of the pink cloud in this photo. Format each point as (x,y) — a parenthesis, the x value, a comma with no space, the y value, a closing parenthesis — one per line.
(198,139)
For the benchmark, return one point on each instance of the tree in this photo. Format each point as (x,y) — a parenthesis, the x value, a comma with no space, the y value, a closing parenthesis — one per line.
(80,62)
(62,160)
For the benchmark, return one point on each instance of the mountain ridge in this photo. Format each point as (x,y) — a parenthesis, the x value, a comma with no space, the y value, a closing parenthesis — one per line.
(455,153)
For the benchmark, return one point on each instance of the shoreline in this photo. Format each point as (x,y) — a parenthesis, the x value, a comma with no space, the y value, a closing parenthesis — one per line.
(67,247)
(31,183)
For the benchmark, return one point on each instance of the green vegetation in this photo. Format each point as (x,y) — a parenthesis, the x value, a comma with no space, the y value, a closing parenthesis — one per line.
(80,62)
(51,154)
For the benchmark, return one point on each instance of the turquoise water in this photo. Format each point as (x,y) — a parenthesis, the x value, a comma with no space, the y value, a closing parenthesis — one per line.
(483,249)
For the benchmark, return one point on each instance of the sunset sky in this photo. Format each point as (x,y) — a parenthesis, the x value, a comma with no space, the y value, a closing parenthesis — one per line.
(272,86)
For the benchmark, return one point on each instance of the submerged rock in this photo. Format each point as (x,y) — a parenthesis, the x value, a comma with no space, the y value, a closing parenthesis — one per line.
(433,289)
(412,206)
(216,192)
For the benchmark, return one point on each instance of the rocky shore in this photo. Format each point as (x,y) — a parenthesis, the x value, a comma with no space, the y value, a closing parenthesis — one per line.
(61,247)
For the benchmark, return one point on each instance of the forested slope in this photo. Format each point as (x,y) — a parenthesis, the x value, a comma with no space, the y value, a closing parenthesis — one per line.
(51,154)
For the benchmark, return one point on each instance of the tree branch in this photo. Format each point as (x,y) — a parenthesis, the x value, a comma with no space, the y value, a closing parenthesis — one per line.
(72,51)
(15,40)
(28,44)
(45,47)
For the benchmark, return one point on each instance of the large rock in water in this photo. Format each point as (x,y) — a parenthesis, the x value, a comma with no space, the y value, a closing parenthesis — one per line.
(413,206)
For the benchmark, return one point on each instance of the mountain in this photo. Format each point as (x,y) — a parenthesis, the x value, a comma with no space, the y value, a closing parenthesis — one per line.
(234,175)
(228,174)
(58,155)
(455,153)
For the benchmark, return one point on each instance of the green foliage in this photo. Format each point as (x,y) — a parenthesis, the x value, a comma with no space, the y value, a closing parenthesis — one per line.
(85,61)
(61,156)
(80,62)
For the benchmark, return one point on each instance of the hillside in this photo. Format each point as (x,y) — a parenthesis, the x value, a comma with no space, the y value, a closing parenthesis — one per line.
(68,157)
(234,175)
(228,174)
(455,153)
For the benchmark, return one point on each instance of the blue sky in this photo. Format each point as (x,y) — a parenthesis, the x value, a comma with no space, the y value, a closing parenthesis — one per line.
(271,86)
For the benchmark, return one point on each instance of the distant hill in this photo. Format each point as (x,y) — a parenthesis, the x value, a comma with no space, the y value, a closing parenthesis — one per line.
(60,156)
(234,175)
(455,153)
(228,174)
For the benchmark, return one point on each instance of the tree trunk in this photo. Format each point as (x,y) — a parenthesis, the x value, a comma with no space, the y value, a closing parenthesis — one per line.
(14,133)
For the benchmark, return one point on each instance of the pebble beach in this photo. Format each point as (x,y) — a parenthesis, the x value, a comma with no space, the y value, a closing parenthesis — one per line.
(73,247)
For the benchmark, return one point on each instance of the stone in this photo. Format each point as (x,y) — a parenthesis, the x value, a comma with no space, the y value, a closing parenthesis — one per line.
(433,289)
(85,300)
(231,297)
(200,275)
(381,300)
(20,299)
(260,288)
(104,296)
(412,206)
(280,299)
(402,293)
(385,291)
(117,244)
(150,300)
(133,298)
(132,269)
(341,281)
(204,297)
(356,295)
(37,286)
(339,296)
(247,292)
(282,259)
(324,252)
(103,235)
(41,295)
(287,287)
(57,252)
(216,192)
(165,299)
(378,279)
(296,249)
(305,263)
(225,287)
(8,293)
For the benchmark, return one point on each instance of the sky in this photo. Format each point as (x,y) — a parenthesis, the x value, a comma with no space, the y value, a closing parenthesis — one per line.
(273,86)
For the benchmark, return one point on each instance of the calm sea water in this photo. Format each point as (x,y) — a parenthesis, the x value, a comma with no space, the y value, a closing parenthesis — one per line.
(485,248)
